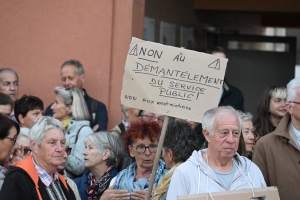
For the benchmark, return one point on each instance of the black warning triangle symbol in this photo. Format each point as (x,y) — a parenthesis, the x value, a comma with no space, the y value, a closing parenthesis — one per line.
(134,50)
(215,64)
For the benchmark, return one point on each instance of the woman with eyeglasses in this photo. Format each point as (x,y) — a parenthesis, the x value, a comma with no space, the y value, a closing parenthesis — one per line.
(70,108)
(61,169)
(101,156)
(9,131)
(270,110)
(141,140)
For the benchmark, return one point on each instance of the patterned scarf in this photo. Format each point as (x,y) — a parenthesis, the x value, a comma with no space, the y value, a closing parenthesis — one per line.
(164,183)
(125,179)
(97,187)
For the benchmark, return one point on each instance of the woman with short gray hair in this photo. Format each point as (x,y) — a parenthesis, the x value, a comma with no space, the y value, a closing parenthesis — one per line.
(70,108)
(36,177)
(101,156)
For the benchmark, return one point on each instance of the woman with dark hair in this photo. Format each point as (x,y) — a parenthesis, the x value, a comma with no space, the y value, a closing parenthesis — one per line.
(9,131)
(270,110)
(141,140)
(179,144)
(27,110)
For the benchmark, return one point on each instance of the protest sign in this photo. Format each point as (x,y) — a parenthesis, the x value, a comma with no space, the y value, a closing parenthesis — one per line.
(271,193)
(171,81)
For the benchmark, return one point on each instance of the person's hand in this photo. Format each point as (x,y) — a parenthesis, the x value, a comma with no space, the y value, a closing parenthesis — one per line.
(139,194)
(17,155)
(111,194)
(95,127)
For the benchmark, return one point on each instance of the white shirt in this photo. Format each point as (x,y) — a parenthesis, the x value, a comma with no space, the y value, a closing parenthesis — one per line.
(297,133)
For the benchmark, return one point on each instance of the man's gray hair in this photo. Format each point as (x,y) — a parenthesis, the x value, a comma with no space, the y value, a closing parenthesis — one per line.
(76,63)
(74,97)
(40,128)
(9,70)
(291,90)
(106,141)
(123,109)
(244,116)
(208,121)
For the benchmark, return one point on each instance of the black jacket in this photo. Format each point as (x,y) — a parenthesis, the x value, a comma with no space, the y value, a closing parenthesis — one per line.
(18,185)
(232,96)
(93,106)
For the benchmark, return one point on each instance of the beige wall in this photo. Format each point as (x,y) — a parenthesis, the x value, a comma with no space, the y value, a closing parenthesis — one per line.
(36,37)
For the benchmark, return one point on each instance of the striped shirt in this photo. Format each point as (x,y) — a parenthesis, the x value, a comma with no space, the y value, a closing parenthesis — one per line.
(44,176)
(53,186)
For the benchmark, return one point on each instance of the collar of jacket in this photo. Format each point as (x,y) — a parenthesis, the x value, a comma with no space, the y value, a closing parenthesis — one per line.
(283,131)
(28,166)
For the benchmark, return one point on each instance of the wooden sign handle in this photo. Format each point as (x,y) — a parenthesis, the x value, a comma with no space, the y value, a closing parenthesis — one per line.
(157,157)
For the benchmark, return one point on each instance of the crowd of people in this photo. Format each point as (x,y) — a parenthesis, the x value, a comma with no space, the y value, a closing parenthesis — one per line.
(67,153)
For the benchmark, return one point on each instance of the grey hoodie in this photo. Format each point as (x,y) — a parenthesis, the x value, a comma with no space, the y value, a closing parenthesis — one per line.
(194,176)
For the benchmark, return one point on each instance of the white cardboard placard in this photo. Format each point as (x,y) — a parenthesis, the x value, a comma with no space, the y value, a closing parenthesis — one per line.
(172,81)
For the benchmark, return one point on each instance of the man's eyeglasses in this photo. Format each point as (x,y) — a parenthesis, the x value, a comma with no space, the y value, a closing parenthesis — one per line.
(153,117)
(141,148)
(12,139)
(68,150)
(296,102)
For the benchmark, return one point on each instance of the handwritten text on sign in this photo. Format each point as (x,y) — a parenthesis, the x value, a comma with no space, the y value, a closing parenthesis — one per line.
(171,81)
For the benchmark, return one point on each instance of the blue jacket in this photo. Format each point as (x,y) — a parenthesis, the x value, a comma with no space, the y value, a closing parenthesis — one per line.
(82,182)
(75,163)
(100,117)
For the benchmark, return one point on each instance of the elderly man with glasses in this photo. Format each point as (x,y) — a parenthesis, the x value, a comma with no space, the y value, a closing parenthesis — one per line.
(36,177)
(278,153)
(217,168)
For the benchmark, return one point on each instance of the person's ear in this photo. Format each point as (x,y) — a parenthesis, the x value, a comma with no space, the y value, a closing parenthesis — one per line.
(131,151)
(289,108)
(127,112)
(170,155)
(82,77)
(106,154)
(69,110)
(206,135)
(21,119)
(33,146)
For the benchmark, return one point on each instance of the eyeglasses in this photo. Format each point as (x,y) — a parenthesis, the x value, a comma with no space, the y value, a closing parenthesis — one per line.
(12,139)
(296,102)
(68,150)
(153,117)
(71,94)
(141,148)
